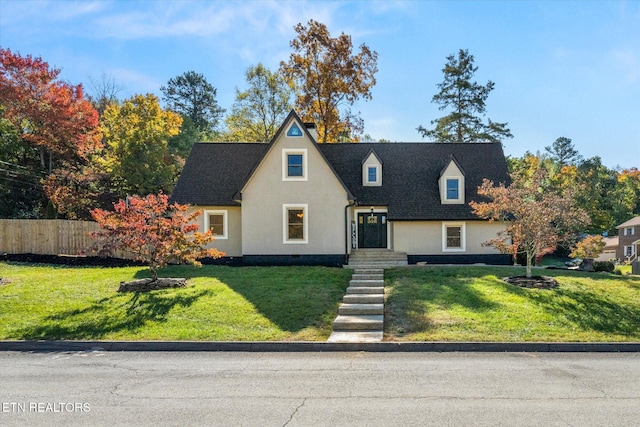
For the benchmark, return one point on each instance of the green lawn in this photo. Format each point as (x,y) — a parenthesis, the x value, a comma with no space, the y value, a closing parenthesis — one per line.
(474,304)
(300,303)
(219,303)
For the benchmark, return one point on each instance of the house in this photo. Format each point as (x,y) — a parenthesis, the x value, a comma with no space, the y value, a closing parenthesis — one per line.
(610,248)
(294,201)
(628,240)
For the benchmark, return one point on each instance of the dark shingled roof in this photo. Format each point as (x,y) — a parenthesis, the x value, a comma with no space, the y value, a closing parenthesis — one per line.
(410,172)
(215,172)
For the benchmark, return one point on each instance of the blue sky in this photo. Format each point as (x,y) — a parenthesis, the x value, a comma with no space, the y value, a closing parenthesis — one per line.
(560,68)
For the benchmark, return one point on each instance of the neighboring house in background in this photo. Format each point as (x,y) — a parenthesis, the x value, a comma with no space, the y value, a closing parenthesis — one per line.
(294,201)
(609,251)
(629,240)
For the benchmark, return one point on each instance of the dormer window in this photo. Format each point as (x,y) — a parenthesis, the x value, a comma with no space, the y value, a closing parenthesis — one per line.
(453,189)
(451,184)
(372,170)
(372,174)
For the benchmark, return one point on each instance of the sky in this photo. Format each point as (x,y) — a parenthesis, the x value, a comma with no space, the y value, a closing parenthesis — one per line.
(560,68)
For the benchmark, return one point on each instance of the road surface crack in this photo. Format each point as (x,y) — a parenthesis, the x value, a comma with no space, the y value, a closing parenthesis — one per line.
(295,411)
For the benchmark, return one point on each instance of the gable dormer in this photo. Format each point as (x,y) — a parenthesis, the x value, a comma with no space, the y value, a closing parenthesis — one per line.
(372,170)
(451,184)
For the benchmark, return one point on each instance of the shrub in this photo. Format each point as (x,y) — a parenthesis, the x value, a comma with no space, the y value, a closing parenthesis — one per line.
(618,272)
(606,266)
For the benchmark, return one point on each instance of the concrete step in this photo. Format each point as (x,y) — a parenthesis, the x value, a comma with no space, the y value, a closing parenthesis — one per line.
(370,283)
(356,336)
(367,276)
(363,299)
(376,262)
(358,323)
(363,271)
(350,309)
(365,290)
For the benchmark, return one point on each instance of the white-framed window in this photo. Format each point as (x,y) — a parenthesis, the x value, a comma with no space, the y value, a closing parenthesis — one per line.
(295,224)
(454,237)
(629,250)
(294,164)
(372,171)
(629,231)
(452,189)
(372,175)
(217,221)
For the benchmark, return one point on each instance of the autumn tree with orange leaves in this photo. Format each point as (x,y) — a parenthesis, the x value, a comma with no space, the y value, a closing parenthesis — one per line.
(56,127)
(535,220)
(329,78)
(155,232)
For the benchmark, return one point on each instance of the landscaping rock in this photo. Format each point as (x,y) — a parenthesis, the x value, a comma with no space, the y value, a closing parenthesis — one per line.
(146,285)
(4,281)
(537,282)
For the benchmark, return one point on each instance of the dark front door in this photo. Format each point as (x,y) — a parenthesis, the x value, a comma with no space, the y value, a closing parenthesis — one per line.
(372,230)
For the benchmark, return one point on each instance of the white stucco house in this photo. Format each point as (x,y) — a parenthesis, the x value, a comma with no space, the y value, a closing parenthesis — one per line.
(294,201)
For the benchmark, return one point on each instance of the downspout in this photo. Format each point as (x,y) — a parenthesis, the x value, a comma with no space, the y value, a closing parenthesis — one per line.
(347,234)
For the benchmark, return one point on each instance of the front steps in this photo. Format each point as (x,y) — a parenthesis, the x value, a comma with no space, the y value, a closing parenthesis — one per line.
(361,316)
(363,259)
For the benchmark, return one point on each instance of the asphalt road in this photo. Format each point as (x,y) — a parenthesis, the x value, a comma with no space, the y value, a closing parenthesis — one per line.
(319,389)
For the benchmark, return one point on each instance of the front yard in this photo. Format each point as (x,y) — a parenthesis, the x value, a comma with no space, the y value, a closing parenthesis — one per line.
(300,303)
(218,304)
(474,304)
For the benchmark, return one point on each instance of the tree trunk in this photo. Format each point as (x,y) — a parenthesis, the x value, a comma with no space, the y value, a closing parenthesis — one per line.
(529,264)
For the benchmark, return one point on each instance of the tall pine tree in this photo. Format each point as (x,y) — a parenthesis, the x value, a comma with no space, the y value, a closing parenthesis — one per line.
(466,100)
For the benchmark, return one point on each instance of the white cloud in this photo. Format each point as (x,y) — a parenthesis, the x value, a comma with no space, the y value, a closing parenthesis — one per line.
(627,63)
(128,78)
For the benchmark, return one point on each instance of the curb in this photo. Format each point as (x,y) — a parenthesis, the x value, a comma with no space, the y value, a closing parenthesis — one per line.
(311,346)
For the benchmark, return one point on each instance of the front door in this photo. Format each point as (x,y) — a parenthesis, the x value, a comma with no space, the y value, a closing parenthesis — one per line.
(372,230)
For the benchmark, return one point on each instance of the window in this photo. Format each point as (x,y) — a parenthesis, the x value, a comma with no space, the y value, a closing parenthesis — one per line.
(216,221)
(628,231)
(294,131)
(453,237)
(372,174)
(296,224)
(372,170)
(294,165)
(628,250)
(453,192)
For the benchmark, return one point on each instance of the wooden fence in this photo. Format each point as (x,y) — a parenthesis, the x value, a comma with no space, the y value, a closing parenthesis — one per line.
(45,236)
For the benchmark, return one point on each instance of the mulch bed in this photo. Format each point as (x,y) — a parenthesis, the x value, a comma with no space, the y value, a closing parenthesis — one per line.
(70,260)
(536,282)
(146,285)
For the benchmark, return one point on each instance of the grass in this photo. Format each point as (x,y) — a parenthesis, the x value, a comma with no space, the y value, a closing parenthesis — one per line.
(300,303)
(219,303)
(474,304)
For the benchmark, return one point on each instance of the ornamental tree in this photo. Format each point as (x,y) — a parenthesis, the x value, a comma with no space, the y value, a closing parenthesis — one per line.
(155,232)
(589,248)
(536,221)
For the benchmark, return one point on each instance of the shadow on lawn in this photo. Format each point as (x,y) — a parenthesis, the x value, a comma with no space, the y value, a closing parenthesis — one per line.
(292,298)
(412,292)
(590,311)
(109,315)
